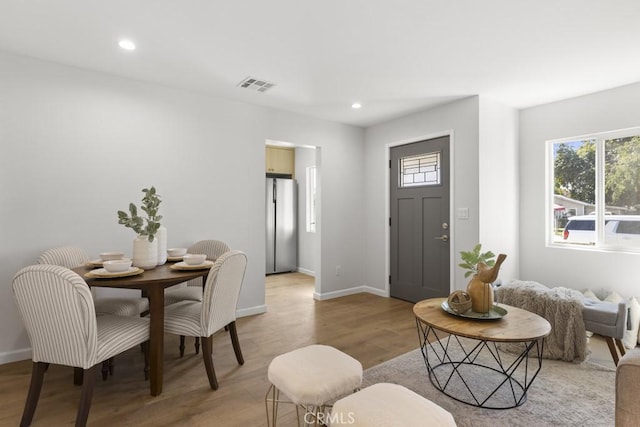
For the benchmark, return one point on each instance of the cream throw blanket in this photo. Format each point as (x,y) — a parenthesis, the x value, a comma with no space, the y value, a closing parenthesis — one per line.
(562,307)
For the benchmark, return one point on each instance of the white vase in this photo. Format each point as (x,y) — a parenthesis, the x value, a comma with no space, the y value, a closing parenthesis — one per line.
(145,253)
(161,237)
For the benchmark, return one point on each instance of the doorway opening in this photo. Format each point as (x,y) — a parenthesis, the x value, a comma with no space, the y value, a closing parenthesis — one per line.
(298,166)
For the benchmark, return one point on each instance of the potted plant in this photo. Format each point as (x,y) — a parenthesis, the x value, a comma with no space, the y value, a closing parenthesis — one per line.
(484,269)
(145,249)
(473,257)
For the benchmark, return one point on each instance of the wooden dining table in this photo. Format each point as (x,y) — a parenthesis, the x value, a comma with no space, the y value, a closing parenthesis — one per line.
(152,283)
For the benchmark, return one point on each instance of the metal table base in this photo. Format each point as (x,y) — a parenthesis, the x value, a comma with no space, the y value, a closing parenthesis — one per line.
(475,372)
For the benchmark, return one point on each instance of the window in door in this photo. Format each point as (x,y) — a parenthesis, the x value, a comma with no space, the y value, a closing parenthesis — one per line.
(422,169)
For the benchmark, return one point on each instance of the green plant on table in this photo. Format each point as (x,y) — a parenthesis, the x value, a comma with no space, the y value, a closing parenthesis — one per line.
(143,226)
(472,258)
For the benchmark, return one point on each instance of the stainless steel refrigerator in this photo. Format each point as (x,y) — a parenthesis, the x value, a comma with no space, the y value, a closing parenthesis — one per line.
(282,234)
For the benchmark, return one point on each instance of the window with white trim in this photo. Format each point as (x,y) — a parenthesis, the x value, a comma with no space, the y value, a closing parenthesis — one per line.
(594,191)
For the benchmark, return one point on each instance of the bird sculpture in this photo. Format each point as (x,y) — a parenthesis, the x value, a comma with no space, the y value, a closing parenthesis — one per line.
(488,274)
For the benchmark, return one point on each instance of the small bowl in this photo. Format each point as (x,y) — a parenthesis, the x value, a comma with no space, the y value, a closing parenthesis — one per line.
(174,252)
(194,259)
(117,265)
(108,256)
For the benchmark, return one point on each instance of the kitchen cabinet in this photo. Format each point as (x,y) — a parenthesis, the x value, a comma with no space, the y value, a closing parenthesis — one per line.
(280,160)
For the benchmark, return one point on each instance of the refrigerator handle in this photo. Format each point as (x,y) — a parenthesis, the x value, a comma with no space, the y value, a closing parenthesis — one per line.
(274,191)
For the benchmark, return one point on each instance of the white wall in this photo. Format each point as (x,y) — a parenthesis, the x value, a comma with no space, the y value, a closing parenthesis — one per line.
(305,157)
(579,269)
(77,146)
(498,177)
(460,117)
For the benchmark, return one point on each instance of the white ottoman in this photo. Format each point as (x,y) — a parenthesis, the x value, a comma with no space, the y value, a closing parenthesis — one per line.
(388,405)
(311,377)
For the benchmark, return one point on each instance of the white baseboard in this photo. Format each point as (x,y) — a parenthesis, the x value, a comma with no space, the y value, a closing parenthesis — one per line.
(350,291)
(15,356)
(307,272)
(258,309)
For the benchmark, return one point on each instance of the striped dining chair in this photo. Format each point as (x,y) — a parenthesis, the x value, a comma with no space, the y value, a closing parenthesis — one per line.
(74,256)
(192,290)
(59,315)
(217,309)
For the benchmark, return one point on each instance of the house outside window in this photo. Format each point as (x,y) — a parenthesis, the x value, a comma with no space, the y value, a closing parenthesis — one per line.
(594,191)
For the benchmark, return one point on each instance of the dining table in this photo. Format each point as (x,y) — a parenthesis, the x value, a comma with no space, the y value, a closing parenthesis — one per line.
(152,283)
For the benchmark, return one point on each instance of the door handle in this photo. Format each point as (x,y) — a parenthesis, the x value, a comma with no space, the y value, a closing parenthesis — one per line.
(444,238)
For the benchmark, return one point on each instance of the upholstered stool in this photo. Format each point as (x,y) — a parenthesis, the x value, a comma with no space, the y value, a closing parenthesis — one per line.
(608,320)
(386,404)
(311,377)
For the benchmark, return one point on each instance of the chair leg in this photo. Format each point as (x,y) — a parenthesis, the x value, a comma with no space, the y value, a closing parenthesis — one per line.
(181,345)
(620,347)
(37,376)
(86,396)
(197,344)
(207,356)
(612,349)
(233,332)
(105,369)
(78,374)
(145,349)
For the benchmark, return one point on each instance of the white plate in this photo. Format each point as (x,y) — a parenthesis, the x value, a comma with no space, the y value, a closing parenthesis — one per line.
(98,262)
(184,266)
(103,273)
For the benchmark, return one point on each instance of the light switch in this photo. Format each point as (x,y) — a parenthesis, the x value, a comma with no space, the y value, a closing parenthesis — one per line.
(463,213)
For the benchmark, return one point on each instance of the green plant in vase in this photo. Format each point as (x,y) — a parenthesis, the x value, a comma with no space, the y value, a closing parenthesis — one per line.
(143,226)
(484,269)
(475,256)
(145,250)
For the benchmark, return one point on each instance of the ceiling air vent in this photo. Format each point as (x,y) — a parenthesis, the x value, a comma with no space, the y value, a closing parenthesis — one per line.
(256,84)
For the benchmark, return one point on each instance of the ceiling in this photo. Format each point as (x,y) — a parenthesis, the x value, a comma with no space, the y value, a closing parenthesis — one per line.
(393,56)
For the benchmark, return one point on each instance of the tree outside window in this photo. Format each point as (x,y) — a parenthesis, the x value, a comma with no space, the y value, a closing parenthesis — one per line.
(596,190)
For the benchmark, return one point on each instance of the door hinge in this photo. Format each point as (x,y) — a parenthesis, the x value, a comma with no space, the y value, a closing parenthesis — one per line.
(389,221)
(389,279)
(389,163)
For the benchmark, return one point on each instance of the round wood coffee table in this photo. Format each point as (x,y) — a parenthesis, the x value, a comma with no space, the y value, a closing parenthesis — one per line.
(462,356)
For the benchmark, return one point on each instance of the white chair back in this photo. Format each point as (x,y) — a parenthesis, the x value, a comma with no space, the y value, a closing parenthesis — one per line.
(222,290)
(212,249)
(64,256)
(58,312)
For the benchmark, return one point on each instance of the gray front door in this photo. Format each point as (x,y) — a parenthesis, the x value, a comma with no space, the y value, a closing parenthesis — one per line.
(419,222)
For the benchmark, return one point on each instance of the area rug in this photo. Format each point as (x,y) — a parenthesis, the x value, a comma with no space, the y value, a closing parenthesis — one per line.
(563,394)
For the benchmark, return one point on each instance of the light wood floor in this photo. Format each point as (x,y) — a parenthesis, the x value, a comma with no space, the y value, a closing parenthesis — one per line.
(370,328)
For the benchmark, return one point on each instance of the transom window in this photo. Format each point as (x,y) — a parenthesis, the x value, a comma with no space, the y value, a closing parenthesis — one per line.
(419,170)
(595,191)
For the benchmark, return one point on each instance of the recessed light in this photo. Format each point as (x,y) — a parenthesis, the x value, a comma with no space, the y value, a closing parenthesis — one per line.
(127,44)
(356,105)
